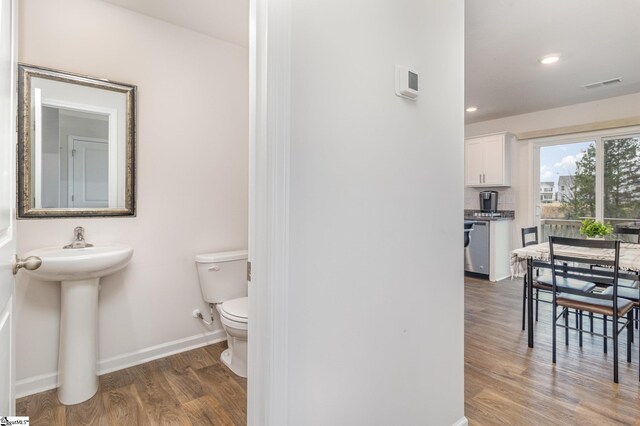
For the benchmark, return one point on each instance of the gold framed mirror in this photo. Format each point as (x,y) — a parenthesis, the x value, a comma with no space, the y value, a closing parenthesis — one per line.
(76,145)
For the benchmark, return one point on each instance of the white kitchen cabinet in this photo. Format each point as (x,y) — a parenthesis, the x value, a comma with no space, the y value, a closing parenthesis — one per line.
(487,160)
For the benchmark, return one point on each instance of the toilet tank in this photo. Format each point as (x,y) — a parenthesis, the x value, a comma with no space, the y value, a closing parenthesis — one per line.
(223,276)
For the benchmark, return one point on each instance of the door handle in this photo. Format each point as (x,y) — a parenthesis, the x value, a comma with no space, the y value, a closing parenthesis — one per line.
(30,263)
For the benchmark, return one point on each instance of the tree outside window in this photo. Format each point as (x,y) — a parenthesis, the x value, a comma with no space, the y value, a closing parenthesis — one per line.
(622,178)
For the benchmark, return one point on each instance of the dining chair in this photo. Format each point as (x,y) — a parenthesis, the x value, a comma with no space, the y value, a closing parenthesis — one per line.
(624,230)
(620,231)
(565,265)
(628,280)
(529,238)
(543,282)
(629,293)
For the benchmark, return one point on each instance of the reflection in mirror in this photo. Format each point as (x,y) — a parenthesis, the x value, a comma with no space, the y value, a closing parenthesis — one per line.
(76,145)
(74,160)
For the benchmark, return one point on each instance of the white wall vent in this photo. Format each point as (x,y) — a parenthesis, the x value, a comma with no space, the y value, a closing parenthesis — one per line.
(603,83)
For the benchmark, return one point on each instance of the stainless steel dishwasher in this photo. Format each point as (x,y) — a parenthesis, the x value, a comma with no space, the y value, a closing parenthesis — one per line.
(476,259)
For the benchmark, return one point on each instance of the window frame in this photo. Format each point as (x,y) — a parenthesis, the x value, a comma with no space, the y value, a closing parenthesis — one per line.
(599,138)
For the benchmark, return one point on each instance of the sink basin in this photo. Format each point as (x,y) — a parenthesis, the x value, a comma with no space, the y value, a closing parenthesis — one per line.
(60,264)
(79,271)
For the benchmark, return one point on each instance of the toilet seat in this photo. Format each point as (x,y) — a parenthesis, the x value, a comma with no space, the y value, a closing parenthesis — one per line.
(236,310)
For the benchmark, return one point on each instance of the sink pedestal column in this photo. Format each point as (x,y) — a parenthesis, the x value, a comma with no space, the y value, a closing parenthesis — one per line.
(78,354)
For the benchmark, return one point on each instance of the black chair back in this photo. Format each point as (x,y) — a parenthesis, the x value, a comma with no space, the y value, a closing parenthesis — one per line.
(625,230)
(580,267)
(529,236)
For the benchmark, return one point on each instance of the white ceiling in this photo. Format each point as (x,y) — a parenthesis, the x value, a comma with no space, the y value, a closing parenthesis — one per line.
(597,39)
(227,20)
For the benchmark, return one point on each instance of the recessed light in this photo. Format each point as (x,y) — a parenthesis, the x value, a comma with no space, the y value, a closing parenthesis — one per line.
(472,109)
(549,59)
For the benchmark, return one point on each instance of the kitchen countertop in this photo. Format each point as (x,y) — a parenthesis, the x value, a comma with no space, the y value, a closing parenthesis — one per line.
(505,215)
(486,219)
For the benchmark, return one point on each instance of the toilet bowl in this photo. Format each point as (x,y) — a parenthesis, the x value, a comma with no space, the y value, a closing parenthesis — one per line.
(223,283)
(234,318)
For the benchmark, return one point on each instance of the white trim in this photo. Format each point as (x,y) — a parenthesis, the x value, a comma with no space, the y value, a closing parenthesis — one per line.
(462,422)
(599,189)
(36,384)
(160,351)
(584,137)
(535,206)
(48,381)
(10,236)
(37,130)
(270,102)
(78,106)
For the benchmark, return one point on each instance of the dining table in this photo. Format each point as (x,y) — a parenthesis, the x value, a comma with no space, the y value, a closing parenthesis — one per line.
(536,256)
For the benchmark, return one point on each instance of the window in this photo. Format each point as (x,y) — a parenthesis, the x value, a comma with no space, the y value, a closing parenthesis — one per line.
(598,176)
(622,178)
(573,163)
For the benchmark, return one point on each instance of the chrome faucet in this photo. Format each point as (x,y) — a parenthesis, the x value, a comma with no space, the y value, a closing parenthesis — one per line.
(79,241)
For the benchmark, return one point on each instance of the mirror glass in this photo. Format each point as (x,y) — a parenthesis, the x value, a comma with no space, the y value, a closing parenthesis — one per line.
(76,147)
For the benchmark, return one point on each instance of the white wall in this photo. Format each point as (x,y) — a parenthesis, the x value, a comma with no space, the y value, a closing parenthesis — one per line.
(376,279)
(192,173)
(521,189)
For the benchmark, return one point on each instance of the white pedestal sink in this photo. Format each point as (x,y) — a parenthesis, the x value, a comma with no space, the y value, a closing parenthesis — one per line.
(79,270)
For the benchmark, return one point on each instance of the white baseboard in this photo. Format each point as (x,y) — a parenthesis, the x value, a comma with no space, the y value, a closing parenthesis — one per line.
(36,384)
(44,382)
(462,422)
(159,351)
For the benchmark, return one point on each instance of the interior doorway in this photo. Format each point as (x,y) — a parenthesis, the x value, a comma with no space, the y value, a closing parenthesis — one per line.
(88,172)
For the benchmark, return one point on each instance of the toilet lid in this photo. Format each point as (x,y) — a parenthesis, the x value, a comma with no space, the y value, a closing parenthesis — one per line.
(236,309)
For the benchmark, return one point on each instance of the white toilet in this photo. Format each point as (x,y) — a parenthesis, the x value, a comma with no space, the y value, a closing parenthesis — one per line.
(223,280)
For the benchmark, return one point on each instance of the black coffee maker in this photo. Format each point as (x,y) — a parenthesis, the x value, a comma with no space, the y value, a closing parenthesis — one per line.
(489,201)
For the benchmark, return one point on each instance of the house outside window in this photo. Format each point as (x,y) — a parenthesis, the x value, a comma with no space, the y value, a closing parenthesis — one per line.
(546,191)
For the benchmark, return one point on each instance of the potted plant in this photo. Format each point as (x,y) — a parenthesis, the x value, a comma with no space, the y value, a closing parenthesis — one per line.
(594,229)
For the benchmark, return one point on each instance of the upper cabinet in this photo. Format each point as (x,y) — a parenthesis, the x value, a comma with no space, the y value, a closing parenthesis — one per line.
(487,160)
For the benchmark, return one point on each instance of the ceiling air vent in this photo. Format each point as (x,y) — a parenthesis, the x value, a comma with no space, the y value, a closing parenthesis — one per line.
(603,83)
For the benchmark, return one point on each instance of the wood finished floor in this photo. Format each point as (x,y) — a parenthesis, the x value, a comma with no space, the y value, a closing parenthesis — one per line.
(506,383)
(191,388)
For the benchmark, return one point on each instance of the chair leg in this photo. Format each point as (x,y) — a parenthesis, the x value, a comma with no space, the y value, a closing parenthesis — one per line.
(615,348)
(629,334)
(566,326)
(537,302)
(524,299)
(553,333)
(579,326)
(604,331)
